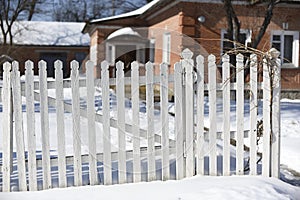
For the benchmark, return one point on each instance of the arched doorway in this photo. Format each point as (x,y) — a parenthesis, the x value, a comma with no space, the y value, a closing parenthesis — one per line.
(125,45)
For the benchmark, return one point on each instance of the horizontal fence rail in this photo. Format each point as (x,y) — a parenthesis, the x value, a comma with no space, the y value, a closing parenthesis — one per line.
(126,129)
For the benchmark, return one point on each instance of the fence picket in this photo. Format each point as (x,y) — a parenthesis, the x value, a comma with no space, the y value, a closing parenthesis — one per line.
(164,121)
(266,121)
(121,121)
(186,133)
(17,105)
(188,64)
(30,116)
(276,121)
(91,122)
(135,121)
(212,93)
(106,123)
(44,125)
(6,99)
(60,124)
(76,123)
(150,121)
(240,115)
(253,114)
(226,114)
(200,115)
(178,120)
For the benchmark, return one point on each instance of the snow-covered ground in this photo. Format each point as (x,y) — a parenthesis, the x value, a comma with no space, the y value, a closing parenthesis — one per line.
(234,187)
(188,189)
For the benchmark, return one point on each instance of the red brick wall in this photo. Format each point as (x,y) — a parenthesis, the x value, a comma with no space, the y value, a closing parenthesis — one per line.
(290,79)
(24,53)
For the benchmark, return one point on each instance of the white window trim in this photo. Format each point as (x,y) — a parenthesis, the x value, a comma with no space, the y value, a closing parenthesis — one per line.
(295,55)
(248,36)
(166,54)
(110,58)
(152,50)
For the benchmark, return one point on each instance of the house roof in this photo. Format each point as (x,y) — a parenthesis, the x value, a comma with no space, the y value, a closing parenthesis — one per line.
(157,4)
(49,34)
(137,12)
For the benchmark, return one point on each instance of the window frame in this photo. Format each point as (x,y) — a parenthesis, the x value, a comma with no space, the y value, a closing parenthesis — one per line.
(248,33)
(295,49)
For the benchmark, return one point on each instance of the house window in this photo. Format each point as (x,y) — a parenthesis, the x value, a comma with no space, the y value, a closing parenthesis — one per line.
(245,38)
(166,48)
(287,42)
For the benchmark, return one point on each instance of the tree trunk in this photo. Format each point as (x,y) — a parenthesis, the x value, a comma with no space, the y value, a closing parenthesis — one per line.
(265,24)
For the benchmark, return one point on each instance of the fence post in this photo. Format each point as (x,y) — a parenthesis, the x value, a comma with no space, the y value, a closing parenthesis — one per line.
(6,95)
(188,64)
(275,143)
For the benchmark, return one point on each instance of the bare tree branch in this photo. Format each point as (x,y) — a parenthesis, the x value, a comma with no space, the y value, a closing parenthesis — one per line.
(266,22)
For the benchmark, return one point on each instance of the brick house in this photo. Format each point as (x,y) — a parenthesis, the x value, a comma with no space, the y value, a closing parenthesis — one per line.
(160,30)
(49,41)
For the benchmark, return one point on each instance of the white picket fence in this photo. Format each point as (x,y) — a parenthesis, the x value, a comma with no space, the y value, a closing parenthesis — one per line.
(188,151)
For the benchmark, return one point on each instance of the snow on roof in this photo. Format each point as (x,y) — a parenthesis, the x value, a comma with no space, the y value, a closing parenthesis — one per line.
(129,14)
(123,31)
(49,33)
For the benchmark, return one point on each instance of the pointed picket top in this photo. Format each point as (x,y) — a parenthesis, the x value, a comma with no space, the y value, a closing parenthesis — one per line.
(253,58)
(58,65)
(211,58)
(120,66)
(239,57)
(6,67)
(28,66)
(149,66)
(89,65)
(134,65)
(15,66)
(225,58)
(187,54)
(177,67)
(163,67)
(200,59)
(253,62)
(42,65)
(74,65)
(104,65)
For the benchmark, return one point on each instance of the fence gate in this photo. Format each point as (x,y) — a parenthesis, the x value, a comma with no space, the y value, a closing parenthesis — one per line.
(116,139)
